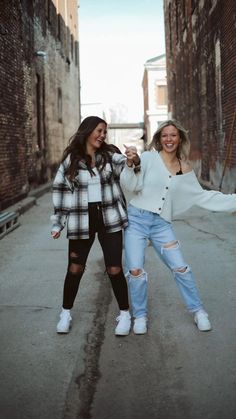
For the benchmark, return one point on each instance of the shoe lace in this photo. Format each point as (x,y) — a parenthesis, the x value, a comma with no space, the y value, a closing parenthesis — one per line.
(140,320)
(122,316)
(201,314)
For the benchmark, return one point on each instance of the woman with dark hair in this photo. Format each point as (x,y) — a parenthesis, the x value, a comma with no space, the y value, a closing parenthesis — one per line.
(165,187)
(88,197)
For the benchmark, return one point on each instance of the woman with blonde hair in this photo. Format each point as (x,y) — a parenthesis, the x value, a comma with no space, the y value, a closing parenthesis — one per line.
(164,186)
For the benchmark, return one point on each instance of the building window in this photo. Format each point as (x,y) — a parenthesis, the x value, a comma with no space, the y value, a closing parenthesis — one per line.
(184,14)
(76,53)
(38,112)
(218,86)
(59,27)
(46,7)
(161,95)
(59,105)
(170,31)
(193,5)
(72,46)
(177,20)
(48,10)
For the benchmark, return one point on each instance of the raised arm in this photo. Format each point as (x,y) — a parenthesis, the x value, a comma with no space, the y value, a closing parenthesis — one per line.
(190,193)
(132,175)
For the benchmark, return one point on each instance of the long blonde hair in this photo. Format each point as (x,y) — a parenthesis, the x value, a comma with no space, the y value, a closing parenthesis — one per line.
(184,145)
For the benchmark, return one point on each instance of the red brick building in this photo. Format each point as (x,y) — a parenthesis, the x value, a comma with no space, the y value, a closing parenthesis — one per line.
(39,90)
(201,75)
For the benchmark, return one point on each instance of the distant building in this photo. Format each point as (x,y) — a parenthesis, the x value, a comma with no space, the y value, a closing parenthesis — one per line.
(201,74)
(155,94)
(39,89)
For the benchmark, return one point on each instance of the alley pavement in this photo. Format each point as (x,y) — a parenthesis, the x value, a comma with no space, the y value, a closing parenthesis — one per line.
(173,372)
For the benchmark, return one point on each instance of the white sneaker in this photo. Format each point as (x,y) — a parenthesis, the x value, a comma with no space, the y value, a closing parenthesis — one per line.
(64,325)
(124,323)
(201,320)
(140,326)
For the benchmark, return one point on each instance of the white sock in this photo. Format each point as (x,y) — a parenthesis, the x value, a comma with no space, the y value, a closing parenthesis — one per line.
(65,310)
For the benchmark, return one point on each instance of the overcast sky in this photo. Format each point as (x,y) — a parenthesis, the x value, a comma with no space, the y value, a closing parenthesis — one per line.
(116,38)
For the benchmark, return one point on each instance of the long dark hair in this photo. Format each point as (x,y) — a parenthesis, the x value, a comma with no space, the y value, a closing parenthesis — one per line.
(77,147)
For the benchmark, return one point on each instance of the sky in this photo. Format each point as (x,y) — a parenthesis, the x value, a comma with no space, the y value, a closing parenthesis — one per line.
(116,38)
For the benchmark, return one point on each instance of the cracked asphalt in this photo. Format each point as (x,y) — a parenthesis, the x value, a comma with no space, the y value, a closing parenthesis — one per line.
(173,372)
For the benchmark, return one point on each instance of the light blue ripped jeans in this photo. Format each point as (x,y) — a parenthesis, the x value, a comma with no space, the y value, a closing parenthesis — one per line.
(144,225)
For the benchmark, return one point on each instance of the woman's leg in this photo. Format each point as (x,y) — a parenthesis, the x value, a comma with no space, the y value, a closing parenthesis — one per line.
(168,248)
(136,236)
(77,257)
(170,252)
(111,244)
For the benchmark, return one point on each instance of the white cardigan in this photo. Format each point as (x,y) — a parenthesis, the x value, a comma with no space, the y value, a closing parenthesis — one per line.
(157,190)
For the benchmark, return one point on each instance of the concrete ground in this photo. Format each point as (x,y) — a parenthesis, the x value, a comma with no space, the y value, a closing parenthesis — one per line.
(173,372)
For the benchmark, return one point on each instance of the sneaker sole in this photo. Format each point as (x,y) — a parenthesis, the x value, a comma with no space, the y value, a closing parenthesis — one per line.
(143,332)
(64,332)
(203,330)
(122,334)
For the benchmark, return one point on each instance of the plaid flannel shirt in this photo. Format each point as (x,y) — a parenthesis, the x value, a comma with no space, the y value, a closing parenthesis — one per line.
(70,199)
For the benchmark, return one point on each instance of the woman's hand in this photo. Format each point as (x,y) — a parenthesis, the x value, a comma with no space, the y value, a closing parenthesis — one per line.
(55,234)
(132,155)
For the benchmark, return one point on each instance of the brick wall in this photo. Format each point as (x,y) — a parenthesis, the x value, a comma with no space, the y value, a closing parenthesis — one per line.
(14,127)
(201,74)
(39,107)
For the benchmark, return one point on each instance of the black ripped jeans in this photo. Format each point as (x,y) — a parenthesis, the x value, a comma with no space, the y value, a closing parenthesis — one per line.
(111,244)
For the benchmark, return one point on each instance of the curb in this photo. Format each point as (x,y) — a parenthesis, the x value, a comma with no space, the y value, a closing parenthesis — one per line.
(16,210)
(25,204)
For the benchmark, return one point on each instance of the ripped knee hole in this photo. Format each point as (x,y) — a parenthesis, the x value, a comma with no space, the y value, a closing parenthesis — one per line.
(181,270)
(136,272)
(113,270)
(171,245)
(75,266)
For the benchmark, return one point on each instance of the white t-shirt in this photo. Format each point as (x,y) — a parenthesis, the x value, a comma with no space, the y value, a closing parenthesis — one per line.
(94,187)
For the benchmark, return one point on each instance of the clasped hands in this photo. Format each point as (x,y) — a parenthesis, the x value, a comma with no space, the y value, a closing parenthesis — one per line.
(132,156)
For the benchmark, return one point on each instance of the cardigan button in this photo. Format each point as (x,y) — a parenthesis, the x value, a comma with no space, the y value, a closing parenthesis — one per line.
(170,176)
(163,199)
(159,209)
(167,187)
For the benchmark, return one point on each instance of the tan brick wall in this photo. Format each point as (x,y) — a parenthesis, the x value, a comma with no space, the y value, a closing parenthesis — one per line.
(35,124)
